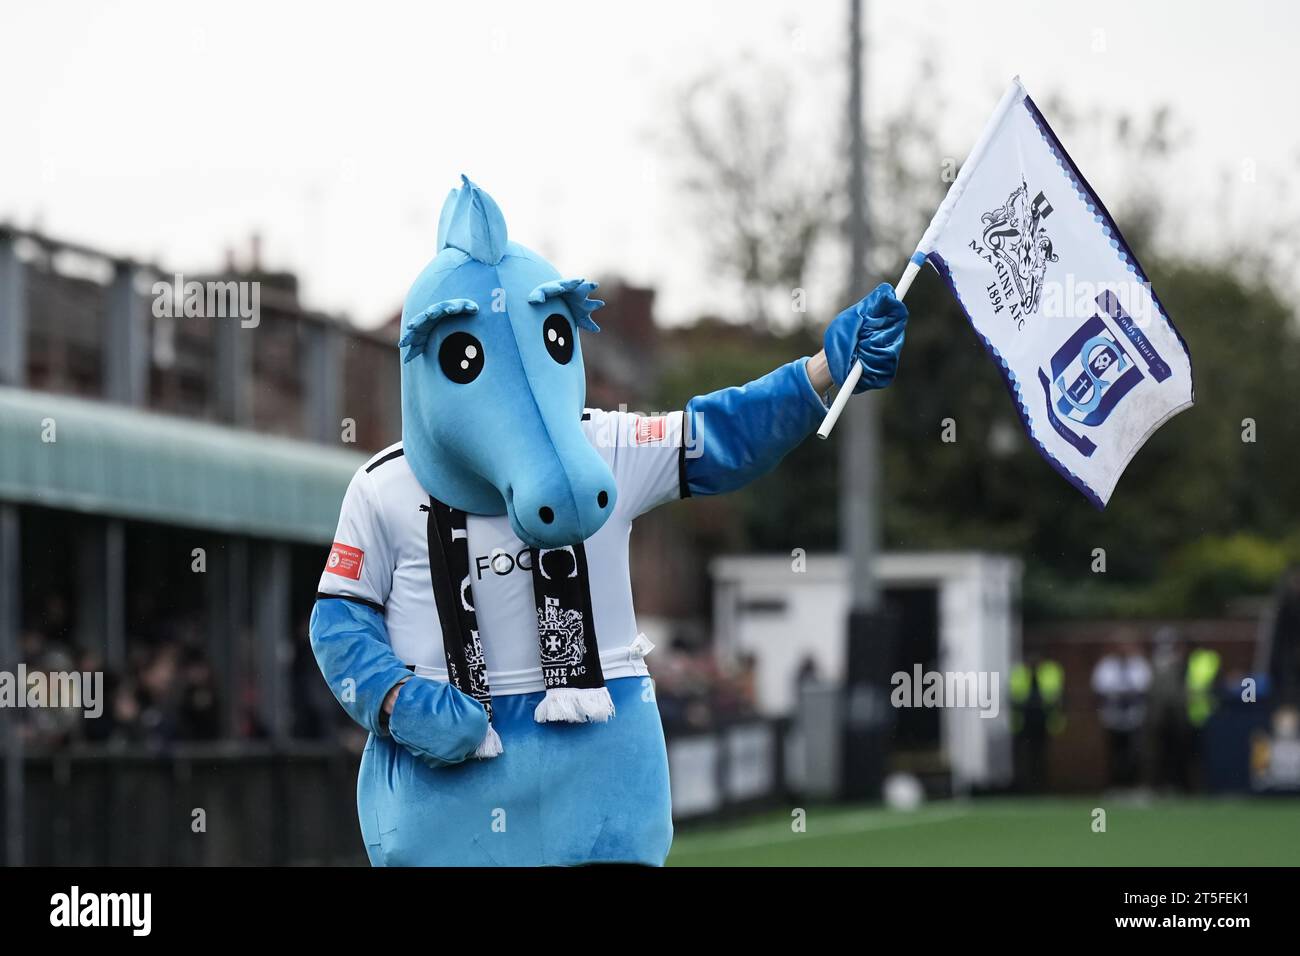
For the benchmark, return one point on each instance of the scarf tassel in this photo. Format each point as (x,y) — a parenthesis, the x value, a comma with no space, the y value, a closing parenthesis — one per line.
(491,745)
(575,705)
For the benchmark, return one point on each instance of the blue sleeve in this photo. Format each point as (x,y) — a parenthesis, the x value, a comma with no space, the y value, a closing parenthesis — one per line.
(739,434)
(350,641)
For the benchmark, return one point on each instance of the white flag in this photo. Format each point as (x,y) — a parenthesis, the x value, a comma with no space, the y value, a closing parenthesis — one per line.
(1093,362)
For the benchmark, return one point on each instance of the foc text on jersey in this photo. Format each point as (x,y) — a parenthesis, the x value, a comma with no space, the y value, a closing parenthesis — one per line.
(501,562)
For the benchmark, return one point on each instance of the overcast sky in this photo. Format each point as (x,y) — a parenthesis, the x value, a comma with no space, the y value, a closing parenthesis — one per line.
(171,131)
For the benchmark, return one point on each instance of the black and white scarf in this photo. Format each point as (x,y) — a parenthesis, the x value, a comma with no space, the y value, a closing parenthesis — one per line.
(566,635)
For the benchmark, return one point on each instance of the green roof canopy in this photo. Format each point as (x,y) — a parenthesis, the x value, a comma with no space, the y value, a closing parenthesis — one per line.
(112,460)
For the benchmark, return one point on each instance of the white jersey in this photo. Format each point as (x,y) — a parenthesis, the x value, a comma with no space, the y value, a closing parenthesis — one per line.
(381,557)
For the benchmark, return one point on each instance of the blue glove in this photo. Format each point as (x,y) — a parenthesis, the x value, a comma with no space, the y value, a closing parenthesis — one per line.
(870,332)
(437,722)
(432,719)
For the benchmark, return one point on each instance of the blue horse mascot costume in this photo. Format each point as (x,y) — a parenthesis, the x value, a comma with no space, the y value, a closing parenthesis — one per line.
(475,614)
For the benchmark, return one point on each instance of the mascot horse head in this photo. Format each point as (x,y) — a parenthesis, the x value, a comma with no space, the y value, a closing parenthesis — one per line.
(493,384)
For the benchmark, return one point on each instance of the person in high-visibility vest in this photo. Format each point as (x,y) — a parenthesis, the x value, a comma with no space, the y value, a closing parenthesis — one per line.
(1202,678)
(1202,674)
(1037,714)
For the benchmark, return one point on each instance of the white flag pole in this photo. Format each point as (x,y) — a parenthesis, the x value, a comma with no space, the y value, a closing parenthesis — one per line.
(855,373)
(1013,94)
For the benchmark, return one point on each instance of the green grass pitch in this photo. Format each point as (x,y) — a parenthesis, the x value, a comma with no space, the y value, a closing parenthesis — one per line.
(1009,832)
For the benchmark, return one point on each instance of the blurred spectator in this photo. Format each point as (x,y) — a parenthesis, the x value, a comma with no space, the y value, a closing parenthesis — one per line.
(694,693)
(167,693)
(199,717)
(104,727)
(1169,731)
(1038,713)
(156,692)
(1202,678)
(1120,681)
(808,674)
(48,726)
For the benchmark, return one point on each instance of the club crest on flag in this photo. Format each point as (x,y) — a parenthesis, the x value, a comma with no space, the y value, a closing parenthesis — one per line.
(1015,234)
(1090,373)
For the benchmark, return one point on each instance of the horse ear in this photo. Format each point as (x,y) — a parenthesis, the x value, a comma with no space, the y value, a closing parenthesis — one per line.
(444,218)
(473,223)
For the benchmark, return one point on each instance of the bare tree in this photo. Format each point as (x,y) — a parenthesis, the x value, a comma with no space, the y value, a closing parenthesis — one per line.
(761,192)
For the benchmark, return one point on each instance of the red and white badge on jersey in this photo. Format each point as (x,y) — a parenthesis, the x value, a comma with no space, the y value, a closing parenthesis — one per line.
(345,561)
(650,430)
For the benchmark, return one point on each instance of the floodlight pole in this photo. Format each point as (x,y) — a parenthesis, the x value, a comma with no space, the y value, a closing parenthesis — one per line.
(870,634)
(859,457)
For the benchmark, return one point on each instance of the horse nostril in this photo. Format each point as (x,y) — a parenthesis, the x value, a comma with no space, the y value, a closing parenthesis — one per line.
(546,514)
(602,499)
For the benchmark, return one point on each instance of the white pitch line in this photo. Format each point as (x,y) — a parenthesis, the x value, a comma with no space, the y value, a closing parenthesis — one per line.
(863,821)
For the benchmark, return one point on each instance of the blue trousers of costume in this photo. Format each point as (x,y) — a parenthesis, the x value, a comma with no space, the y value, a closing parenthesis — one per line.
(560,795)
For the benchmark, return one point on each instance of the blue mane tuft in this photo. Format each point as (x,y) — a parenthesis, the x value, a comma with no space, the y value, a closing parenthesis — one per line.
(416,331)
(472,222)
(574,293)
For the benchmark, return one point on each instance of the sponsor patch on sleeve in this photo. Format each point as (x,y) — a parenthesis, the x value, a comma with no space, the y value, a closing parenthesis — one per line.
(345,561)
(650,430)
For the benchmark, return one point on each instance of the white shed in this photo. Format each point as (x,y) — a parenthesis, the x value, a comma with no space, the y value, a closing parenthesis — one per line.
(786,611)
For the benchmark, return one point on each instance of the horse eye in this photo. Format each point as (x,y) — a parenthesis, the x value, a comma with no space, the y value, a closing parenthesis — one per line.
(461,357)
(558,334)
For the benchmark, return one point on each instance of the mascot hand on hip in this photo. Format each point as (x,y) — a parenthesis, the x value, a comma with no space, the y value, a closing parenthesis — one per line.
(475,614)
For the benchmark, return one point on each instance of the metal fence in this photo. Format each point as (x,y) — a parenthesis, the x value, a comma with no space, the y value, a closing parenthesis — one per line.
(202,805)
(260,805)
